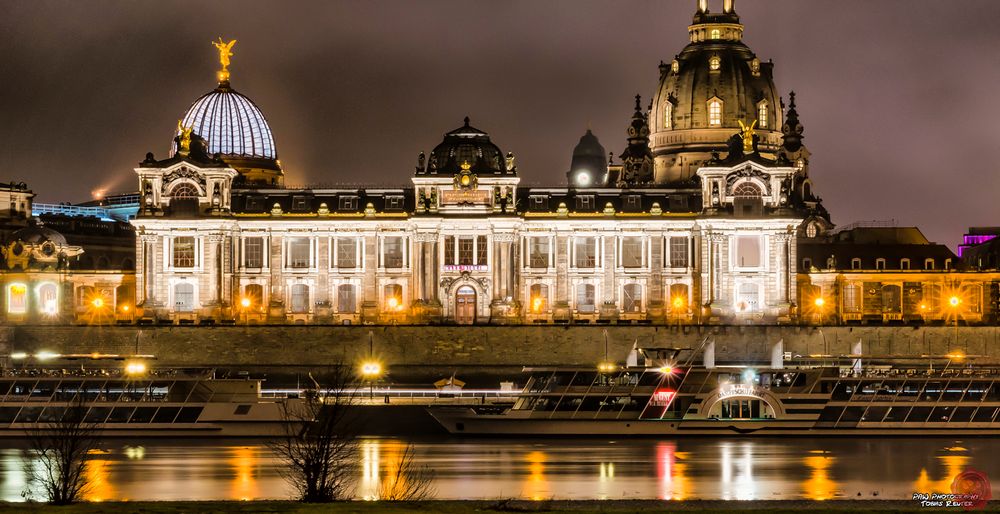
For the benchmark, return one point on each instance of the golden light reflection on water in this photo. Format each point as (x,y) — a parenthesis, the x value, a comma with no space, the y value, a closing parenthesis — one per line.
(671,471)
(819,486)
(97,474)
(536,486)
(953,465)
(368,485)
(244,461)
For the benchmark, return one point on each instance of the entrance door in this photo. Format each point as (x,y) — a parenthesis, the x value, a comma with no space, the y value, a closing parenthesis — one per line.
(465,306)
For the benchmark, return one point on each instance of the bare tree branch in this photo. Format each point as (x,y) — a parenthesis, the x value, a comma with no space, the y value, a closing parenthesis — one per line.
(407,481)
(319,446)
(60,447)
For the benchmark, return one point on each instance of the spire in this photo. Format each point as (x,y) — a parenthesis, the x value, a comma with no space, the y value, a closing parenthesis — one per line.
(791,131)
(637,159)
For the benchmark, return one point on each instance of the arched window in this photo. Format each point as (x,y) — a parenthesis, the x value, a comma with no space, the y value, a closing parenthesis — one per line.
(299,298)
(678,298)
(747,298)
(254,294)
(929,264)
(892,299)
(184,297)
(17,299)
(856,263)
(715,112)
(393,297)
(762,115)
(48,299)
(747,200)
(585,302)
(124,298)
(347,302)
(184,190)
(632,298)
(811,230)
(539,298)
(852,298)
(715,34)
(668,113)
(675,66)
(714,63)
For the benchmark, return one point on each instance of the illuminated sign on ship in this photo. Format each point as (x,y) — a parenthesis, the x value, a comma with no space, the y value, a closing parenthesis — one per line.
(731,390)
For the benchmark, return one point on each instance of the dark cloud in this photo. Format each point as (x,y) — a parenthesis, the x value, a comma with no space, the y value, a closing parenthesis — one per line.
(898,97)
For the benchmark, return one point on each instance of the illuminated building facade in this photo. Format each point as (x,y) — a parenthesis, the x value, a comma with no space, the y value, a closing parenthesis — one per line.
(58,268)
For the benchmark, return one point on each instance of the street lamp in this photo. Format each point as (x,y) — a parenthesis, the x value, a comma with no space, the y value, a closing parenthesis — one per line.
(245,304)
(954,302)
(371,369)
(819,302)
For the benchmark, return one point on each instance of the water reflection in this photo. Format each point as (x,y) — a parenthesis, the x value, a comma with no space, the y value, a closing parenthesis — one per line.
(819,486)
(735,469)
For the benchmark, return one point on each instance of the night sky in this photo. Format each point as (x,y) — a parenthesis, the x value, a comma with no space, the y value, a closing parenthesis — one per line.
(898,98)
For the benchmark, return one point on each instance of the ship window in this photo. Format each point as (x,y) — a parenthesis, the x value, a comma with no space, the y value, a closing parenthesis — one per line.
(830,413)
(120,414)
(875,414)
(941,414)
(976,391)
(166,415)
(29,415)
(142,415)
(896,414)
(953,391)
(715,113)
(852,414)
(242,410)
(994,393)
(97,414)
(188,415)
(52,414)
(7,414)
(962,414)
(984,415)
(918,414)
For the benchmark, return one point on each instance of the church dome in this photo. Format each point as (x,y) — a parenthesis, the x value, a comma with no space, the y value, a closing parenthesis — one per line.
(467,145)
(715,83)
(589,166)
(232,125)
(38,235)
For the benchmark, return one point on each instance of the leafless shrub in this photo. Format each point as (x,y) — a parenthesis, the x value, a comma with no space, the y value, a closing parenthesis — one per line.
(60,448)
(407,481)
(319,446)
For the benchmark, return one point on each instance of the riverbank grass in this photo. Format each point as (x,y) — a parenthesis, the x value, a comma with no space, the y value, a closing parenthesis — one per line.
(457,507)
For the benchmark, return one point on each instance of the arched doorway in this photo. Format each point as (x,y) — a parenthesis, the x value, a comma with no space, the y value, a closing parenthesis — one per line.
(465,305)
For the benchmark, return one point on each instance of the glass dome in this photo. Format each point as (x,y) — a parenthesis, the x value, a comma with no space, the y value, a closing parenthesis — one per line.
(231,124)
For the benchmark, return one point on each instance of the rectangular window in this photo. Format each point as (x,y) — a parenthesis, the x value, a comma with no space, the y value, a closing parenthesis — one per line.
(449,250)
(633,203)
(679,252)
(394,203)
(300,203)
(300,298)
(347,203)
(298,252)
(585,252)
(392,252)
(632,298)
(17,299)
(253,252)
(585,298)
(184,252)
(585,203)
(481,250)
(346,301)
(254,204)
(852,298)
(539,203)
(748,251)
(538,252)
(465,250)
(347,252)
(631,252)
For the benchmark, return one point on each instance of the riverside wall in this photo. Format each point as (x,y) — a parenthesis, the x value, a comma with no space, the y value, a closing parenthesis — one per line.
(463,347)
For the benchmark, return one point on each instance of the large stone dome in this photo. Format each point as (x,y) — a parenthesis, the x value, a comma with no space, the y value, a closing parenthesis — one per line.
(706,91)
(470,146)
(235,128)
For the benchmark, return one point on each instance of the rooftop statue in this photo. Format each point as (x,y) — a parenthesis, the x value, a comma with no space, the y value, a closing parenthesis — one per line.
(225,52)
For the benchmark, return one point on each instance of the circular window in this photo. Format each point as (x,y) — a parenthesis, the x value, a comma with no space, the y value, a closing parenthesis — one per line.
(48,248)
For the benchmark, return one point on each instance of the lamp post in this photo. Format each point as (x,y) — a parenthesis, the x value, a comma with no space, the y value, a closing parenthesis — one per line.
(245,304)
(954,302)
(819,302)
(371,369)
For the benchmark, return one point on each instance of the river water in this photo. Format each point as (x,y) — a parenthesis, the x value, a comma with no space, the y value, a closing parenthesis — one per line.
(728,469)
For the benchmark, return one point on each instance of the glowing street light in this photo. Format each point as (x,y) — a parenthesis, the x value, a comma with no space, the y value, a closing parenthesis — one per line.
(819,302)
(245,302)
(135,368)
(954,301)
(97,303)
(607,367)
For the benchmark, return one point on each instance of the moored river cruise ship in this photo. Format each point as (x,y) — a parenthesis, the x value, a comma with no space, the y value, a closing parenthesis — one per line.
(136,402)
(823,395)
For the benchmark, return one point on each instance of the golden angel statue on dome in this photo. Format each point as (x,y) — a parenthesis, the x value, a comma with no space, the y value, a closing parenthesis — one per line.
(225,52)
